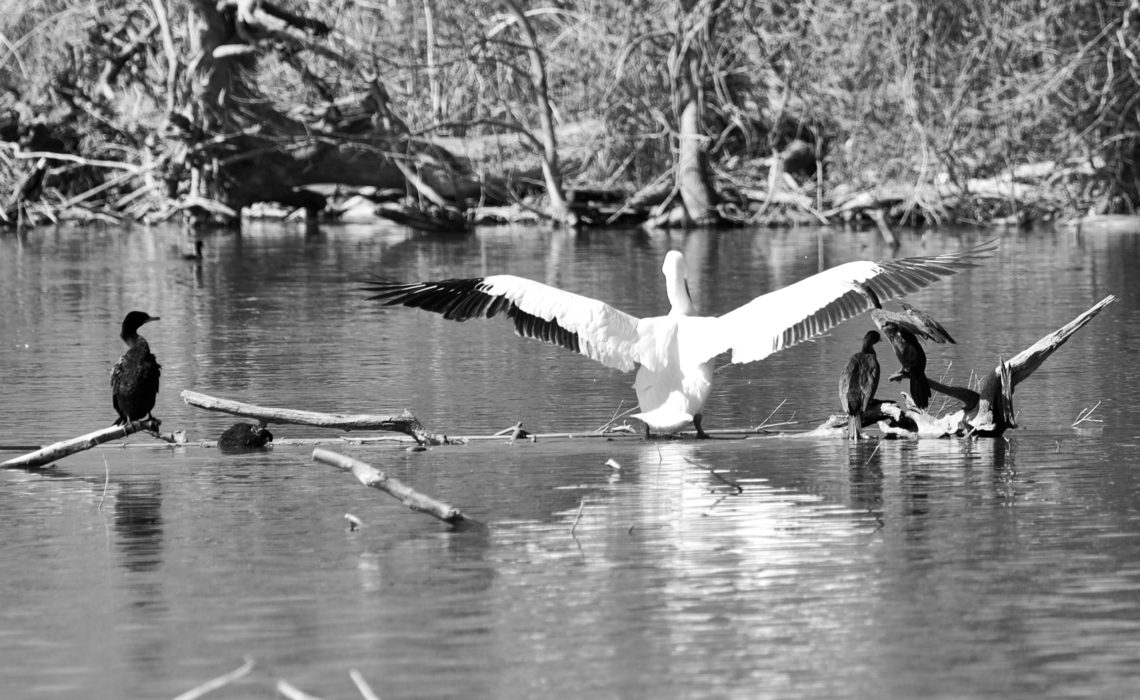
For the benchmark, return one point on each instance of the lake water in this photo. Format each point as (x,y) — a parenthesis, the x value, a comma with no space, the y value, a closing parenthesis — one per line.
(936,568)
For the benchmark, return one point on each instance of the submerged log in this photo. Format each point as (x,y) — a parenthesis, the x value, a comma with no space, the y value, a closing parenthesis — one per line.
(53,452)
(405,423)
(370,476)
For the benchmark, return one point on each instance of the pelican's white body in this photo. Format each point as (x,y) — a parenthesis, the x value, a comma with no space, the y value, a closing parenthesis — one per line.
(673,381)
(673,354)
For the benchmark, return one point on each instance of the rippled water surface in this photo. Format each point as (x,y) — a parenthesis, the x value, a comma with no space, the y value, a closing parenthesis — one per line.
(771,567)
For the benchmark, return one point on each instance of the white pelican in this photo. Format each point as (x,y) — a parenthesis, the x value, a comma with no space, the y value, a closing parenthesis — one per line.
(673,354)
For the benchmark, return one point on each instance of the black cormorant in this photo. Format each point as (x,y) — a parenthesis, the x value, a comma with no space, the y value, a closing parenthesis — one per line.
(134,380)
(903,330)
(858,383)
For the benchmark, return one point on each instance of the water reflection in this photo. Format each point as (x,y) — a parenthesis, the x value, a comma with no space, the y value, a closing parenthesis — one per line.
(138,522)
(887,568)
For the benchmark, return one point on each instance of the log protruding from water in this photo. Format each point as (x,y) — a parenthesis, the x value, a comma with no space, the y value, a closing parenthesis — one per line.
(63,448)
(405,422)
(374,478)
(989,410)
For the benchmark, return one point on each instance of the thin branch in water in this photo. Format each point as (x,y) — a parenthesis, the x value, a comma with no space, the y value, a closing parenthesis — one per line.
(1085,416)
(708,511)
(710,470)
(872,455)
(577,516)
(615,417)
(292,692)
(219,682)
(107,479)
(764,424)
(362,685)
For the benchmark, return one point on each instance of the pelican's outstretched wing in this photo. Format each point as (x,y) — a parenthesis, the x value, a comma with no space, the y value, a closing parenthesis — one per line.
(800,311)
(584,325)
(925,325)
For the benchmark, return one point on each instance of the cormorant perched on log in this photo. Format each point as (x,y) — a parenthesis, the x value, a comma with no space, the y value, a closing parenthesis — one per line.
(244,436)
(134,380)
(858,384)
(903,330)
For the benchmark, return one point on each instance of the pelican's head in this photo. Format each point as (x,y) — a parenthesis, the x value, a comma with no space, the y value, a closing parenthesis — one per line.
(674,266)
(677,284)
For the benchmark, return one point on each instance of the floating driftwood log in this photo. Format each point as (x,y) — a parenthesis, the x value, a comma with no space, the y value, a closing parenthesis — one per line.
(51,453)
(405,423)
(370,476)
(987,411)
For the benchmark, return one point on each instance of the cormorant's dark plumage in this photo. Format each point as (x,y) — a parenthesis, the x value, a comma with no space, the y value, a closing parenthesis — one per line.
(858,384)
(134,380)
(903,330)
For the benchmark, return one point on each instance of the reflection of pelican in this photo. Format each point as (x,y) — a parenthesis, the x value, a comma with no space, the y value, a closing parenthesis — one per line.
(674,353)
(858,383)
(134,380)
(902,330)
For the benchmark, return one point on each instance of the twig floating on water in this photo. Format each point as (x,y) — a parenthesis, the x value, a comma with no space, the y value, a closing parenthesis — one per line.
(106,482)
(710,470)
(370,476)
(764,423)
(1084,416)
(362,685)
(219,682)
(577,516)
(292,692)
(617,414)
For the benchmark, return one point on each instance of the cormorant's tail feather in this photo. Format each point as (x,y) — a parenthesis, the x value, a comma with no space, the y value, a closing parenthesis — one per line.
(920,389)
(854,427)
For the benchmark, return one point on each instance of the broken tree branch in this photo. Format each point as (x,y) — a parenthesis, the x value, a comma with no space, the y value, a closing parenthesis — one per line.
(61,449)
(370,476)
(405,423)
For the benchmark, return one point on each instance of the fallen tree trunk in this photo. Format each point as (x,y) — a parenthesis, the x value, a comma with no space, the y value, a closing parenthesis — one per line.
(374,478)
(51,453)
(405,423)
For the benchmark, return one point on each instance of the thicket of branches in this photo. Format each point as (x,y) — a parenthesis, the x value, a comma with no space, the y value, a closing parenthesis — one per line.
(921,93)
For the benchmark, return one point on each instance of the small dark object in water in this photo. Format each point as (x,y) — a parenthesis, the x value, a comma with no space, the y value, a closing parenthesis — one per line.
(134,380)
(197,254)
(244,436)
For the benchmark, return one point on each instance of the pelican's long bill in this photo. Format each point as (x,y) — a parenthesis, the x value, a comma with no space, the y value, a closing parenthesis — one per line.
(673,353)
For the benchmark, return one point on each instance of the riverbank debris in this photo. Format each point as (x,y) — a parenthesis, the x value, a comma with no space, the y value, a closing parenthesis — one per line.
(405,422)
(63,448)
(374,478)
